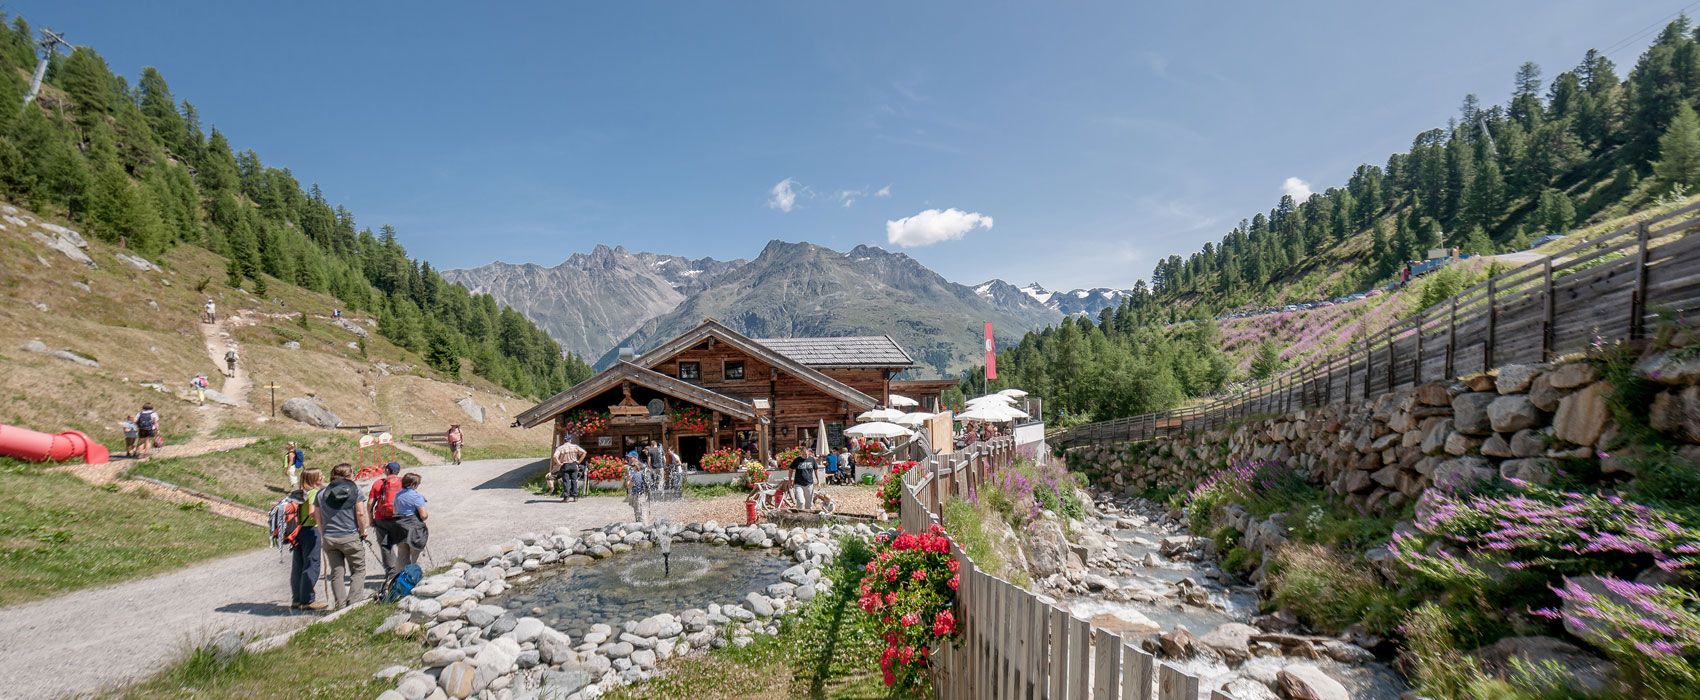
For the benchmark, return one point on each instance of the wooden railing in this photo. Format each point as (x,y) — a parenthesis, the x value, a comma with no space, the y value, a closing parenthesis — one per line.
(1016,644)
(1607,288)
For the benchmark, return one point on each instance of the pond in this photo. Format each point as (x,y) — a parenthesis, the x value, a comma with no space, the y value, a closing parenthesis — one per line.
(633,586)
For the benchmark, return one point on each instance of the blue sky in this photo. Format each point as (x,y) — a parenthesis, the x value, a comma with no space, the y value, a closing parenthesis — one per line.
(1079,142)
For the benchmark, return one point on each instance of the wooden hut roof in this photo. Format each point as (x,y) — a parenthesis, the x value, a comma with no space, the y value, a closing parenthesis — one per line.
(623,371)
(711,328)
(876,351)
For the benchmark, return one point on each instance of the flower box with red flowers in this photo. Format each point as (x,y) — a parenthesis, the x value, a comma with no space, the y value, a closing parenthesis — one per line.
(582,423)
(605,468)
(722,461)
(688,419)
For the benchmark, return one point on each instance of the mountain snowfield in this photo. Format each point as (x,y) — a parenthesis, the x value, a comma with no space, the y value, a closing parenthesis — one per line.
(597,302)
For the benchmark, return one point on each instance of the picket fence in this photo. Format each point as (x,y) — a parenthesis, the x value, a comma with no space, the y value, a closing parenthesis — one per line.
(1606,288)
(1016,644)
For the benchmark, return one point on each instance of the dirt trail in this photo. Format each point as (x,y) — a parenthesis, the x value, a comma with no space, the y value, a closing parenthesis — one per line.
(219,340)
(426,457)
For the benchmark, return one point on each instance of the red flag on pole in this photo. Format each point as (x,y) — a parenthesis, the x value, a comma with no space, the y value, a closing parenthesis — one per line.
(991,354)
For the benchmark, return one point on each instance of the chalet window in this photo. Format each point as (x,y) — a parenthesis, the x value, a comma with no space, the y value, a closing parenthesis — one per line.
(690,370)
(734,370)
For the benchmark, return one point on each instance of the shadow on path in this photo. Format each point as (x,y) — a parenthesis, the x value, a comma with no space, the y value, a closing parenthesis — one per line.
(514,478)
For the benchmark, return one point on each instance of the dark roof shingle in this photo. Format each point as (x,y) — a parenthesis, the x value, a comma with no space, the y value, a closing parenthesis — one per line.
(843,351)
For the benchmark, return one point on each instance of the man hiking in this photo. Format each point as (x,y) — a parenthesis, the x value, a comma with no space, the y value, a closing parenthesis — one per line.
(454,437)
(230,360)
(147,430)
(563,465)
(207,313)
(381,502)
(342,528)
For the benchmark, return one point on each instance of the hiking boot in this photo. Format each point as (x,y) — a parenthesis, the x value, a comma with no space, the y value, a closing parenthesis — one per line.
(315,605)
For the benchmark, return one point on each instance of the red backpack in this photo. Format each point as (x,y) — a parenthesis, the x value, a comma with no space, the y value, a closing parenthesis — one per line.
(383,497)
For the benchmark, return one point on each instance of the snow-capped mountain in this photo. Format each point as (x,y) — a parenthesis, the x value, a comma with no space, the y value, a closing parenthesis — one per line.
(1080,301)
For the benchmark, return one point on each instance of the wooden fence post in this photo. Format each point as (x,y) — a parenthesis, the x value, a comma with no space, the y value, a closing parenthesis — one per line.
(1638,298)
(1547,313)
(1451,339)
(1492,321)
(933,488)
(1417,367)
(1390,360)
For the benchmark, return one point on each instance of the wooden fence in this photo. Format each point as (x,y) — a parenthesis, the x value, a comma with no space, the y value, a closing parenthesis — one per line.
(1016,644)
(1607,288)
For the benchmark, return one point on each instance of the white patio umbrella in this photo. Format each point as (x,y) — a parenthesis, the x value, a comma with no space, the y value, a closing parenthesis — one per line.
(992,413)
(1014,393)
(880,414)
(991,399)
(901,401)
(821,447)
(914,420)
(878,429)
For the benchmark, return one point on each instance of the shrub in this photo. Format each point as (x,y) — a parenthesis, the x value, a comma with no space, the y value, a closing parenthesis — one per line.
(910,590)
(1330,591)
(1653,632)
(891,488)
(752,475)
(1435,638)
(1265,486)
(604,468)
(723,460)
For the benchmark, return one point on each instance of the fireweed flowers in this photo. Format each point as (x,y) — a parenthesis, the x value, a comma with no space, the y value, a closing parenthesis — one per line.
(1469,541)
(1244,481)
(910,590)
(1652,631)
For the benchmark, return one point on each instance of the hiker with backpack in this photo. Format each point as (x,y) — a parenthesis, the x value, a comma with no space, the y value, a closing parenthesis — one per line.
(208,313)
(199,385)
(302,533)
(294,460)
(384,525)
(637,492)
(147,430)
(230,360)
(410,514)
(342,523)
(454,439)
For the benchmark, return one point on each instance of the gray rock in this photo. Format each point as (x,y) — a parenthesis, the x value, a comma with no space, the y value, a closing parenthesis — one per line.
(137,262)
(1306,682)
(442,656)
(1515,379)
(471,409)
(558,685)
(310,411)
(1535,470)
(33,346)
(619,650)
(644,658)
(292,345)
(1584,670)
(663,626)
(389,672)
(67,248)
(458,680)
(555,647)
(1231,640)
(417,686)
(528,629)
(1469,413)
(1509,414)
(496,659)
(350,326)
(759,604)
(484,615)
(78,358)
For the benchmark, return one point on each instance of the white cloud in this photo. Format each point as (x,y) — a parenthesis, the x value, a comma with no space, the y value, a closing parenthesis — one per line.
(782,197)
(933,226)
(1299,189)
(846,198)
(883,192)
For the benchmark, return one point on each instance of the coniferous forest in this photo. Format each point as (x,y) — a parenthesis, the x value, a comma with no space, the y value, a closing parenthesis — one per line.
(1586,146)
(133,164)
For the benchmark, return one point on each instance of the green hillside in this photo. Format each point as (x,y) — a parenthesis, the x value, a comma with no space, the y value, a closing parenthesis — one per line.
(1564,156)
(133,166)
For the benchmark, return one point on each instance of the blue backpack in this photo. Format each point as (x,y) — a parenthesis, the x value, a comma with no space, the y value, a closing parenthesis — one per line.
(403,583)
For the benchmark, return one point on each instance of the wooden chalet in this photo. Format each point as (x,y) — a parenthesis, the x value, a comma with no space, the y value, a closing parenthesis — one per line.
(762,395)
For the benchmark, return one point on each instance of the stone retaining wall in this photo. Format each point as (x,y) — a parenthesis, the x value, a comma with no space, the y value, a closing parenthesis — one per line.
(1522,422)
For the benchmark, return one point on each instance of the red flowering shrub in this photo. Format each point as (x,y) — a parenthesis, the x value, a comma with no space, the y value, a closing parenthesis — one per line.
(910,590)
(722,461)
(890,487)
(605,468)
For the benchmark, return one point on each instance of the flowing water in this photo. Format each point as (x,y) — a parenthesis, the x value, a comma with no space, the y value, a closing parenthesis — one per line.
(634,585)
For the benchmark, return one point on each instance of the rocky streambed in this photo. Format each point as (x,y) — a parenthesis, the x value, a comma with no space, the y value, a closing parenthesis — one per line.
(1130,567)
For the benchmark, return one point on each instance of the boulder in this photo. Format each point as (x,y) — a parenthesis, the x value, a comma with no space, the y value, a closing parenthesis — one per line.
(1577,374)
(311,411)
(1306,682)
(1584,670)
(471,409)
(1434,441)
(1534,470)
(1527,443)
(1515,379)
(497,658)
(1048,553)
(1469,413)
(76,357)
(1461,474)
(1582,416)
(1125,622)
(1480,382)
(33,346)
(557,685)
(1433,394)
(1178,643)
(59,243)
(457,680)
(1496,446)
(1231,640)
(527,629)
(663,626)
(555,647)
(350,326)
(1509,414)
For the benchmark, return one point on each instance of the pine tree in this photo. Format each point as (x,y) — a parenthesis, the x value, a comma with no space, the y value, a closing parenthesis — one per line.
(1678,166)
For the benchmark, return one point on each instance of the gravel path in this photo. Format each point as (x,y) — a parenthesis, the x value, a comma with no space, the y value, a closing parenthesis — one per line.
(78,643)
